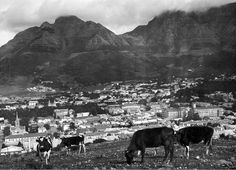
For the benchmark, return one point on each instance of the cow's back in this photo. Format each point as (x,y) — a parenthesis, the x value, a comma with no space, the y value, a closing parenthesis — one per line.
(196,134)
(74,140)
(152,137)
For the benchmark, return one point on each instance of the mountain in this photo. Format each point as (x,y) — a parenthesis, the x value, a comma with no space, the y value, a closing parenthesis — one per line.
(72,51)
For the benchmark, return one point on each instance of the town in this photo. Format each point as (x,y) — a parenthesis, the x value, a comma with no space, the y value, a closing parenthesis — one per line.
(115,112)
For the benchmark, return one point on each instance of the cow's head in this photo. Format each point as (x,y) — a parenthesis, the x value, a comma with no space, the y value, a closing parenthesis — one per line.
(129,156)
(63,143)
(178,135)
(43,142)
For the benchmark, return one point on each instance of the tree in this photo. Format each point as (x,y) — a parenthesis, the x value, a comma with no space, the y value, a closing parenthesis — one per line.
(47,126)
(56,135)
(6,131)
(192,116)
(72,125)
(59,128)
(143,102)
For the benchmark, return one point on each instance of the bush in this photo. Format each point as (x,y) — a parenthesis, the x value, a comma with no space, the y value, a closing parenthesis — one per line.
(192,116)
(99,140)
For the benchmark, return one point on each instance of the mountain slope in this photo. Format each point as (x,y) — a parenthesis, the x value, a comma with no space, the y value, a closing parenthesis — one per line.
(73,51)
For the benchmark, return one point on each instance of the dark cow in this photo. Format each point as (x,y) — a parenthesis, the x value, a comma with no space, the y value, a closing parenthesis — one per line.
(44,146)
(194,135)
(74,140)
(149,138)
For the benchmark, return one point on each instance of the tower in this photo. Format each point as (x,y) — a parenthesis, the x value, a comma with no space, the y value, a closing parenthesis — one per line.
(17,121)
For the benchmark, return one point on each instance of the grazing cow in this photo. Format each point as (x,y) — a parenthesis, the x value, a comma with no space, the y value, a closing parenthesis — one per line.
(44,146)
(149,138)
(74,140)
(194,135)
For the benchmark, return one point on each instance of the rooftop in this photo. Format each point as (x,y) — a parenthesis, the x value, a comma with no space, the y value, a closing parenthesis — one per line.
(26,135)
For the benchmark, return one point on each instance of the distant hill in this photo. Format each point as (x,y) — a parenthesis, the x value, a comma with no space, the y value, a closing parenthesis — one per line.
(71,51)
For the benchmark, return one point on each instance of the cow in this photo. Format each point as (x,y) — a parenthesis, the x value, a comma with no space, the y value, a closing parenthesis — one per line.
(68,142)
(194,135)
(150,138)
(44,146)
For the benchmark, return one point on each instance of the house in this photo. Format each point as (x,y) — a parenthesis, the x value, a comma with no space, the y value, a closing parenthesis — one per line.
(131,108)
(17,130)
(155,107)
(32,104)
(44,120)
(41,129)
(1,119)
(115,109)
(11,150)
(52,103)
(28,140)
(33,127)
(78,102)
(60,113)
(212,111)
(101,127)
(171,113)
(82,114)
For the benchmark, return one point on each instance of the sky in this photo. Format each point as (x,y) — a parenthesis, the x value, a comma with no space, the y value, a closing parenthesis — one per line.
(117,15)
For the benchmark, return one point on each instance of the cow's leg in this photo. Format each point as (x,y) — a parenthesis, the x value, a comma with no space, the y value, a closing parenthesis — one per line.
(167,150)
(142,155)
(80,148)
(155,152)
(208,146)
(187,151)
(84,149)
(40,156)
(47,156)
(171,153)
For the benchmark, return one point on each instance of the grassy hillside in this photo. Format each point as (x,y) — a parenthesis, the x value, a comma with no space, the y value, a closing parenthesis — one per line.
(111,155)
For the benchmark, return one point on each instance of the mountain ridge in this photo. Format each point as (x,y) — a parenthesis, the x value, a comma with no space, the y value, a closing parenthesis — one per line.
(72,51)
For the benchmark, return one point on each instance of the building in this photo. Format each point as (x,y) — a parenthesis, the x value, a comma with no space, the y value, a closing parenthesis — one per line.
(28,140)
(115,109)
(33,128)
(174,113)
(155,107)
(131,108)
(60,113)
(17,129)
(44,120)
(82,114)
(11,150)
(32,104)
(209,111)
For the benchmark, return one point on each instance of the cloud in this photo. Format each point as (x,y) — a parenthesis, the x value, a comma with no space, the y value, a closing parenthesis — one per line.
(118,15)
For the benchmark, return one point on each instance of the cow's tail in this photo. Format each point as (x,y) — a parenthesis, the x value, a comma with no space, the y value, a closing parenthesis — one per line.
(210,143)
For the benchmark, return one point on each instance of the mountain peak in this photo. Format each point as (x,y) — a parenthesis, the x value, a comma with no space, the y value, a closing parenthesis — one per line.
(68,19)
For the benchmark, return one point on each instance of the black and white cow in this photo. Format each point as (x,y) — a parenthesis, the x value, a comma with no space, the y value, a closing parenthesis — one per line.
(73,141)
(194,135)
(149,138)
(44,147)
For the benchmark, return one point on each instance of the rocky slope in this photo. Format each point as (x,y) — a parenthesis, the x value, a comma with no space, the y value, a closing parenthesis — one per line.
(72,51)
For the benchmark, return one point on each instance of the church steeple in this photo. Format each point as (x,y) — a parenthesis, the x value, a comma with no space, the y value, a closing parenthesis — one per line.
(17,121)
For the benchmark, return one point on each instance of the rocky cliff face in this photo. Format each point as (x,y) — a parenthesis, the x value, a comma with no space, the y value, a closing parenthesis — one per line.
(196,33)
(86,52)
